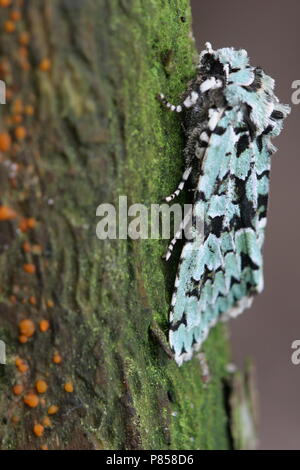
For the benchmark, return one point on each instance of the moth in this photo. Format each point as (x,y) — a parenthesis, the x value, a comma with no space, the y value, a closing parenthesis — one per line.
(230,114)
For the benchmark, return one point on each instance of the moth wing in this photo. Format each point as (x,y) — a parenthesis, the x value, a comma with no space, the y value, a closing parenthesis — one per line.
(221,267)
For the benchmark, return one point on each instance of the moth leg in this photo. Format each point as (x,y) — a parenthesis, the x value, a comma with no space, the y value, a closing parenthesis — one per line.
(177,235)
(180,187)
(160,338)
(168,105)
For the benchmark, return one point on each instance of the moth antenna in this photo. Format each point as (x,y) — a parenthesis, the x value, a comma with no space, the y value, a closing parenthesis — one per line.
(208,50)
(167,104)
(209,47)
(177,235)
(180,187)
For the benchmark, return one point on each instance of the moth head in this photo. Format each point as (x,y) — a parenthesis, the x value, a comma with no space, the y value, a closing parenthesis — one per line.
(209,64)
(223,64)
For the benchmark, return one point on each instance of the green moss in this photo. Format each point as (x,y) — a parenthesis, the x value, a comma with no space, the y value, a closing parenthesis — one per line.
(160,51)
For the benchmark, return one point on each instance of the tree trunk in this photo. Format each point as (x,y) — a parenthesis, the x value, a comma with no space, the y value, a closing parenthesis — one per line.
(83,90)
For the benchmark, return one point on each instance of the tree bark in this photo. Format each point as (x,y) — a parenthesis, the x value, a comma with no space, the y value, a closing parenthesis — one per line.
(95,131)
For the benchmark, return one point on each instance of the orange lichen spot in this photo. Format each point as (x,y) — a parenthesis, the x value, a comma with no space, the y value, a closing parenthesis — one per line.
(27,327)
(32,300)
(23,368)
(47,422)
(20,132)
(5,3)
(18,107)
(41,386)
(31,400)
(57,359)
(31,222)
(29,268)
(18,389)
(23,52)
(69,387)
(27,224)
(4,68)
(15,15)
(44,447)
(50,303)
(45,65)
(37,249)
(44,325)
(21,365)
(9,26)
(24,38)
(53,409)
(17,118)
(26,66)
(23,225)
(9,94)
(38,429)
(29,110)
(5,142)
(23,339)
(26,247)
(15,419)
(6,213)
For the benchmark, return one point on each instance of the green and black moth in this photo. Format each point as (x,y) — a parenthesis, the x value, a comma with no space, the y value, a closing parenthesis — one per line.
(230,114)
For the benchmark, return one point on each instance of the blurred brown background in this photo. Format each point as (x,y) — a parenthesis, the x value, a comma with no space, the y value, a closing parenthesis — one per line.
(269,31)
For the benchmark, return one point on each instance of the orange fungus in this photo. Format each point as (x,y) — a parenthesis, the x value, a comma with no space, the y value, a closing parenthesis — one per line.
(38,429)
(31,222)
(29,268)
(15,419)
(20,132)
(29,110)
(57,358)
(15,15)
(45,65)
(52,410)
(47,422)
(6,213)
(24,38)
(69,387)
(9,26)
(18,389)
(27,327)
(23,339)
(31,400)
(32,300)
(26,247)
(5,3)
(21,365)
(5,141)
(41,386)
(44,325)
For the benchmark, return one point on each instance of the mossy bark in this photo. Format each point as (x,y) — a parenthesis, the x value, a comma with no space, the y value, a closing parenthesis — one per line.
(97,132)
